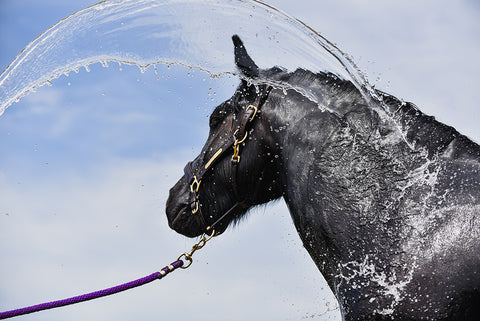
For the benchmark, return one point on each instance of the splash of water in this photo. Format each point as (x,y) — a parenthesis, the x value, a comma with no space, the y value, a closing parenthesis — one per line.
(183,32)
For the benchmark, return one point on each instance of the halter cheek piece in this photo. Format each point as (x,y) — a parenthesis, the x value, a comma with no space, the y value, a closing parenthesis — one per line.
(194,177)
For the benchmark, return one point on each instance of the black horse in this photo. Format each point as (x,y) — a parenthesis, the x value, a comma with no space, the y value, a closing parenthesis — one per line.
(386,199)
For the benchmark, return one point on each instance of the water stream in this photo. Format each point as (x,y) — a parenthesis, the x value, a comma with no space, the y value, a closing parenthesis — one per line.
(104,108)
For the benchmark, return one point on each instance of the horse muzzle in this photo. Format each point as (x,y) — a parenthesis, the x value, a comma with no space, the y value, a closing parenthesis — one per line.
(179,212)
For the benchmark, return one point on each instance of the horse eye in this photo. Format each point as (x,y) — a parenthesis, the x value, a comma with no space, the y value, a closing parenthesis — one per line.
(218,115)
(212,122)
(215,119)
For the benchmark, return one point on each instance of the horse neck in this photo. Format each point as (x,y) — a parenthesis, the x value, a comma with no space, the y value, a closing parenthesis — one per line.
(364,191)
(345,174)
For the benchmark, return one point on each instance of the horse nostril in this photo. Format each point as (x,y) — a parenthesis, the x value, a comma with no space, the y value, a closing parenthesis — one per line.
(177,204)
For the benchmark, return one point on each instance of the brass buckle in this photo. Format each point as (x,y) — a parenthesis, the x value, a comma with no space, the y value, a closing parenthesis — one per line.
(195,183)
(194,187)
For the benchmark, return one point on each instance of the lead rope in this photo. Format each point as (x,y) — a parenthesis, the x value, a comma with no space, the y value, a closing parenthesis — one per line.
(179,263)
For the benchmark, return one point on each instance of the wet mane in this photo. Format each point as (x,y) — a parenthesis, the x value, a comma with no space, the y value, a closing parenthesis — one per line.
(342,98)
(335,94)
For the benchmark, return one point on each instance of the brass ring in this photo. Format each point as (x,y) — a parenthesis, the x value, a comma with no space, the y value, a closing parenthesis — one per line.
(188,258)
(239,141)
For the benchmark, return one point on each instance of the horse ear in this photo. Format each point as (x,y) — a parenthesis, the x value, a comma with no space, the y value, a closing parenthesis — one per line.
(243,60)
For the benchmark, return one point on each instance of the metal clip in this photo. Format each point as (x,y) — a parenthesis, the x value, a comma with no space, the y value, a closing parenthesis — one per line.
(235,157)
(236,148)
(197,246)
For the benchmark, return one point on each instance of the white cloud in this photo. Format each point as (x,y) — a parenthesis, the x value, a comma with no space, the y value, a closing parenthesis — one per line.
(82,233)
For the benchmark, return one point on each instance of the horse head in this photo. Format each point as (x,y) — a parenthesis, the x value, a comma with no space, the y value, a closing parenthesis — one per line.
(238,165)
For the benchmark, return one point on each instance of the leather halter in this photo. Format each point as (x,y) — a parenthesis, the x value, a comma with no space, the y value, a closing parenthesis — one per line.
(194,176)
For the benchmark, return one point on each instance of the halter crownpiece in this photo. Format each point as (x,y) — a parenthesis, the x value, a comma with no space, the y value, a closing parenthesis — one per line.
(194,177)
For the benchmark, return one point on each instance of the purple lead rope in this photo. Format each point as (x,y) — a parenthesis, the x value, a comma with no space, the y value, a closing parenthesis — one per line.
(93,295)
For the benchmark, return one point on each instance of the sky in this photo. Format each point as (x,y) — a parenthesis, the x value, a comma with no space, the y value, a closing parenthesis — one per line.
(84,176)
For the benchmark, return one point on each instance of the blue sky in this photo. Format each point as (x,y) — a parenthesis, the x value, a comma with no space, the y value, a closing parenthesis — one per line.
(86,166)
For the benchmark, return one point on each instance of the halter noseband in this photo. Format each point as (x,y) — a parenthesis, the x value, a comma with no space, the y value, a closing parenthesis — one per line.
(194,177)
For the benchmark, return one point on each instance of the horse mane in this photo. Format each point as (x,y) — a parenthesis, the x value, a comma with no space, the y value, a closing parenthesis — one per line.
(343,98)
(425,131)
(332,92)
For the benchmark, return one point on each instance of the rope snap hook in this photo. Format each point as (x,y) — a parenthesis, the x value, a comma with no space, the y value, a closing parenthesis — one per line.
(197,246)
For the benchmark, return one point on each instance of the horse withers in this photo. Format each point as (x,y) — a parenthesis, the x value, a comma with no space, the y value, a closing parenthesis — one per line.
(386,201)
